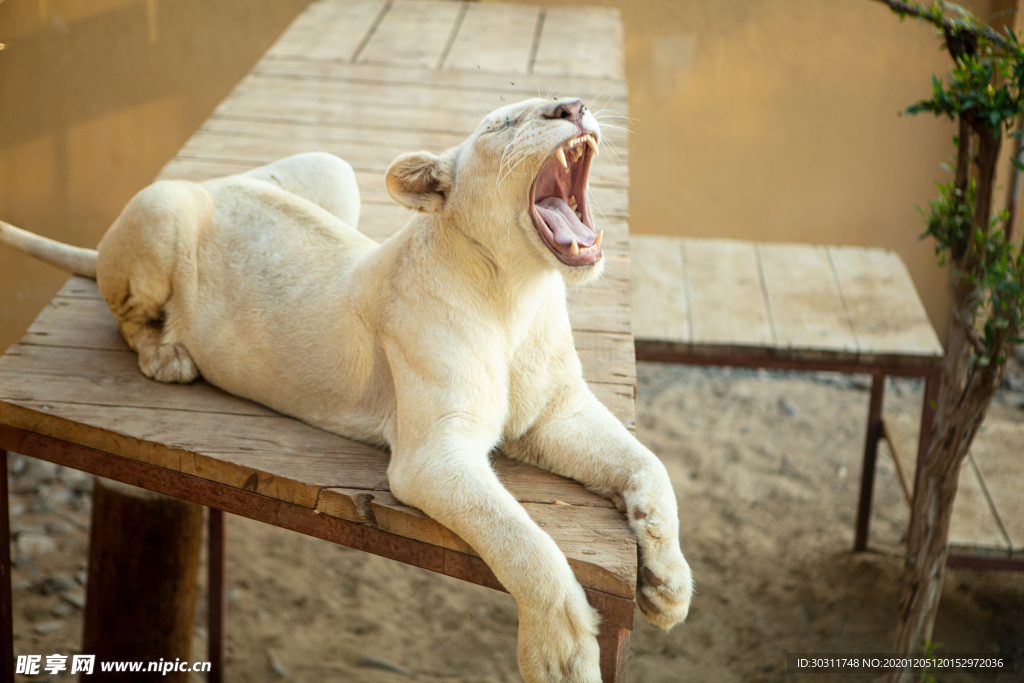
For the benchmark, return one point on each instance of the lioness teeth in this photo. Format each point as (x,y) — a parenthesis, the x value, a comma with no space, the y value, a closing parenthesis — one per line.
(575,248)
(600,236)
(572,202)
(561,159)
(593,144)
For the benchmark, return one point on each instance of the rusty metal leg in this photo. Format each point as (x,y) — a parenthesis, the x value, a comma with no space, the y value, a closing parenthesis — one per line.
(614,643)
(217,596)
(931,395)
(6,604)
(867,477)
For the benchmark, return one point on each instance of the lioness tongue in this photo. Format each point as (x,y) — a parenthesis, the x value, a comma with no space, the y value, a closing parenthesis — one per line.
(563,223)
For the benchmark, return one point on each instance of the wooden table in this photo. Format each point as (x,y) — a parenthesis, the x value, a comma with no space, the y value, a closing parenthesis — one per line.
(788,306)
(366,81)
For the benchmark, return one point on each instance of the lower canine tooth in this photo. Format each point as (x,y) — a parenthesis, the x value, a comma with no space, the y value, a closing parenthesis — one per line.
(575,248)
(561,158)
(600,236)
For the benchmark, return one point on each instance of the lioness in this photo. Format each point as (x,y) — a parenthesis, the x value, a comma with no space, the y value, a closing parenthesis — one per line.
(446,341)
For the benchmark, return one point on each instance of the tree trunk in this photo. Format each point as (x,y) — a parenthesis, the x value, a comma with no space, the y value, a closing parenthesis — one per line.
(963,401)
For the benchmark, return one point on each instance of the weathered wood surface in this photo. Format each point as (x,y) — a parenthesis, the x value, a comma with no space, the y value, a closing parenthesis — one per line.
(347,79)
(852,305)
(988,514)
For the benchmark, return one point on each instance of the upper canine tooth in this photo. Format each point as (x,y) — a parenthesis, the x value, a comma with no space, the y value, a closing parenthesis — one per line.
(575,248)
(600,236)
(561,158)
(593,145)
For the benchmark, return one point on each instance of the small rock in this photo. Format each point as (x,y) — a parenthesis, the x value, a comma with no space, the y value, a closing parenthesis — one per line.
(16,509)
(275,664)
(386,666)
(21,585)
(59,496)
(58,528)
(39,507)
(842,471)
(234,594)
(1012,382)
(787,407)
(75,597)
(48,627)
(861,382)
(53,584)
(20,561)
(35,544)
(16,463)
(63,609)
(81,576)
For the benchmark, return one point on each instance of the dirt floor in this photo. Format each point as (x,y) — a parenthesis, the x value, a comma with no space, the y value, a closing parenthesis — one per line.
(766,466)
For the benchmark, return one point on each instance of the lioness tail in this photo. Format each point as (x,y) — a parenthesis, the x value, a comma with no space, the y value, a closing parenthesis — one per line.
(79,261)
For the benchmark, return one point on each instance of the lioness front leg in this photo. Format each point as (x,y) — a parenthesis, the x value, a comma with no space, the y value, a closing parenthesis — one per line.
(579,438)
(440,464)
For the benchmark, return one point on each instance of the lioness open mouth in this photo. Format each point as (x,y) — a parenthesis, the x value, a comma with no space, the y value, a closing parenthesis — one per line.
(559,206)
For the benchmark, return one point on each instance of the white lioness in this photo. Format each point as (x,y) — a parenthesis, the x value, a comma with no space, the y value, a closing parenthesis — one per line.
(446,341)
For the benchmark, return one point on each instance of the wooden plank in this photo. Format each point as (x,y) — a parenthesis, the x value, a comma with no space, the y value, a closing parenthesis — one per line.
(512,86)
(659,303)
(596,540)
(997,450)
(413,33)
(328,30)
(727,304)
(603,306)
(886,312)
(495,37)
(313,135)
(582,43)
(973,525)
(433,116)
(606,357)
(83,323)
(804,301)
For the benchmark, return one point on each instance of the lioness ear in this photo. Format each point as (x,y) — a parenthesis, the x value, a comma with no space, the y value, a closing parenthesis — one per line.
(420,181)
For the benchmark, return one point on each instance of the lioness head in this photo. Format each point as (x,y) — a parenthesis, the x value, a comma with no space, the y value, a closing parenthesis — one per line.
(518,186)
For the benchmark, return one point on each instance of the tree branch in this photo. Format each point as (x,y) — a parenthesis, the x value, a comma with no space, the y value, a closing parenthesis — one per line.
(972,335)
(946,24)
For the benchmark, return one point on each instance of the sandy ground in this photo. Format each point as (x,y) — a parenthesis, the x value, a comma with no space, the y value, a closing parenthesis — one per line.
(767,468)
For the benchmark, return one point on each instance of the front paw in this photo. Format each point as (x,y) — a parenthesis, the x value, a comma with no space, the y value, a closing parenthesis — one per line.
(664,587)
(559,645)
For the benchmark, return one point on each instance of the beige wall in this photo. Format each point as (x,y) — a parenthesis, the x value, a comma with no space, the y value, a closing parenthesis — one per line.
(95,97)
(759,119)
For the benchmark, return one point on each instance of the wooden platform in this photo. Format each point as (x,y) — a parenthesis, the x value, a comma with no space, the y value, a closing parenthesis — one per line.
(798,302)
(366,81)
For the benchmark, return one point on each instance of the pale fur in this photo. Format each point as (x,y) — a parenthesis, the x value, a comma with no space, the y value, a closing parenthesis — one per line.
(448,340)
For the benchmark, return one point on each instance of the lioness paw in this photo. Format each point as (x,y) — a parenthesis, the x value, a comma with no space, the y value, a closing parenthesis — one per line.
(169,363)
(560,645)
(664,587)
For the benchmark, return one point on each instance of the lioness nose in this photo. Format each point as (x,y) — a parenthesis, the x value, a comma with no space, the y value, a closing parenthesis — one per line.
(566,109)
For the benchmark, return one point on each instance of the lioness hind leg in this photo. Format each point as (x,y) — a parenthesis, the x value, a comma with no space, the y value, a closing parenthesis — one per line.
(319,177)
(142,272)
